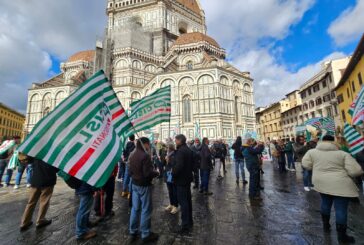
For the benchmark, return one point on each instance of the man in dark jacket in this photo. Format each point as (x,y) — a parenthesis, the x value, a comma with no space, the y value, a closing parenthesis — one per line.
(42,182)
(196,148)
(251,155)
(142,173)
(130,147)
(182,173)
(219,151)
(205,167)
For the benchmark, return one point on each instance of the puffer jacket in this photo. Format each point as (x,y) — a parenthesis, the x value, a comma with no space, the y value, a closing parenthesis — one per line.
(333,170)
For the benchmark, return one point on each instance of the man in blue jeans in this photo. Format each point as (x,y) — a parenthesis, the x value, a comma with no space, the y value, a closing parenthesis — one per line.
(239,160)
(85,192)
(142,173)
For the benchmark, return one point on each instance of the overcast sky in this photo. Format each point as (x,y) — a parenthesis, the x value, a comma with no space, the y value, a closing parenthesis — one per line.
(281,42)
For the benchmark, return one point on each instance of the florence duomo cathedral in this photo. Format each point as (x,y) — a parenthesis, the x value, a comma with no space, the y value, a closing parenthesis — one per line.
(149,44)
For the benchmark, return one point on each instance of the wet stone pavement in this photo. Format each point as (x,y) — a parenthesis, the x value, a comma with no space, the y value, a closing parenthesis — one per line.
(287,215)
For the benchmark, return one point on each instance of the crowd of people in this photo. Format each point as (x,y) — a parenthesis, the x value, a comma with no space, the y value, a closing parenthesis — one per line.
(184,165)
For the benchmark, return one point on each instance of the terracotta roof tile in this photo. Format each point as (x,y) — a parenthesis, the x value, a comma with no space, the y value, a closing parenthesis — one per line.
(87,55)
(195,37)
(191,5)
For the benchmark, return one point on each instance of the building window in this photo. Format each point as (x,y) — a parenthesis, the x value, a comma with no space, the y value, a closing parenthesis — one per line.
(236,107)
(329,111)
(189,65)
(324,84)
(353,86)
(312,104)
(303,94)
(318,101)
(343,115)
(340,99)
(360,79)
(187,113)
(313,114)
(309,91)
(316,88)
(348,92)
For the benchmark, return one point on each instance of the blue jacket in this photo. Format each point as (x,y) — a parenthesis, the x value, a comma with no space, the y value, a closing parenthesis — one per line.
(251,155)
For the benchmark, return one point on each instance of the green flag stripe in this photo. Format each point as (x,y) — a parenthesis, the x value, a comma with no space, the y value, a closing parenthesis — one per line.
(101,158)
(71,153)
(60,116)
(147,99)
(153,121)
(167,103)
(101,182)
(72,120)
(73,132)
(155,95)
(61,109)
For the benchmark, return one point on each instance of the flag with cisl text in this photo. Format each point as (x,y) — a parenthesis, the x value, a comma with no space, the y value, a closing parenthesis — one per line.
(151,110)
(84,135)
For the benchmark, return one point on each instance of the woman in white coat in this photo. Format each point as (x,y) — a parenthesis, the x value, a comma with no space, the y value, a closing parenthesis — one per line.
(333,173)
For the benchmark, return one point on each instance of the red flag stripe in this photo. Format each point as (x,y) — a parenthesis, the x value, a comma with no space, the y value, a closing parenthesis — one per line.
(79,164)
(118,113)
(357,142)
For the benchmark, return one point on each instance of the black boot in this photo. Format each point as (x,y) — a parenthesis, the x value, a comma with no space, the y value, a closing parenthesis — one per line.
(342,236)
(326,222)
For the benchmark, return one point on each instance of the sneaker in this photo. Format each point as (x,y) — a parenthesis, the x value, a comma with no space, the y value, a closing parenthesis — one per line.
(124,194)
(119,180)
(168,208)
(307,188)
(44,223)
(293,170)
(174,210)
(26,227)
(16,186)
(29,185)
(88,235)
(151,238)
(207,193)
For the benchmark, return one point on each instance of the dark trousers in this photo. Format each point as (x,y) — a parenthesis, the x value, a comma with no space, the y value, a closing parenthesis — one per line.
(3,164)
(254,185)
(205,177)
(196,176)
(223,160)
(341,207)
(108,189)
(282,165)
(184,198)
(121,171)
(172,193)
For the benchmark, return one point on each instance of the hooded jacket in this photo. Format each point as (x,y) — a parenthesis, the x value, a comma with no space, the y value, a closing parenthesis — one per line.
(333,170)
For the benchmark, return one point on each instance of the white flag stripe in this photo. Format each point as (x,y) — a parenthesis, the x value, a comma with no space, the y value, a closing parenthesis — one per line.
(92,159)
(56,112)
(104,166)
(147,100)
(45,139)
(124,124)
(159,118)
(156,96)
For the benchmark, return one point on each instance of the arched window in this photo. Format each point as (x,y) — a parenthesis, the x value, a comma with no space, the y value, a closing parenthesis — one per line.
(60,97)
(46,103)
(189,65)
(135,96)
(122,64)
(46,111)
(186,110)
(247,88)
(137,64)
(166,83)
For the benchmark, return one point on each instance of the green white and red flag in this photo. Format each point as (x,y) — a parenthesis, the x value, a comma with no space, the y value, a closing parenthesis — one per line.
(151,110)
(356,109)
(354,139)
(84,135)
(6,145)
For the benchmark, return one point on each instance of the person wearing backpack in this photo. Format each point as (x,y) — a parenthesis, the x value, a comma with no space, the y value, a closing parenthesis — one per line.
(42,182)
(239,160)
(206,167)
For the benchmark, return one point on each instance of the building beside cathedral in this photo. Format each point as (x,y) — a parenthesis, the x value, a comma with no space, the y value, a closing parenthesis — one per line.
(149,44)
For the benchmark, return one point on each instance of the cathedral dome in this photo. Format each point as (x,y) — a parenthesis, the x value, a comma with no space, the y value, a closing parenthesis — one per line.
(87,55)
(195,37)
